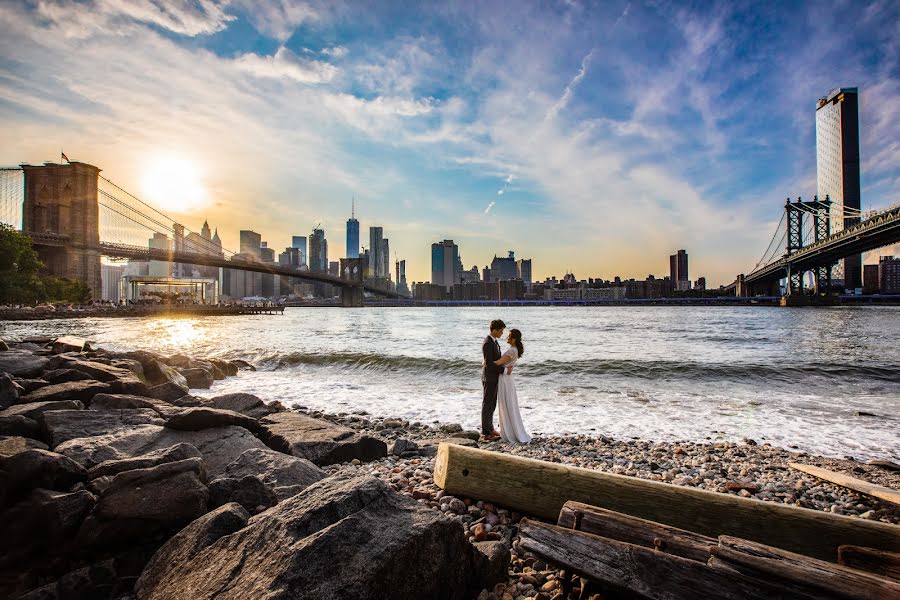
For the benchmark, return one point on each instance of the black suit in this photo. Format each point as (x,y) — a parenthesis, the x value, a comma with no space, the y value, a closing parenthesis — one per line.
(490,373)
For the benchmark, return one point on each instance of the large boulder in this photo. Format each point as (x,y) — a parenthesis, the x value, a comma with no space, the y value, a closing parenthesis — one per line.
(168,391)
(21,363)
(65,375)
(12,444)
(218,446)
(318,441)
(29,385)
(19,425)
(370,541)
(246,404)
(491,562)
(121,401)
(98,370)
(33,410)
(152,459)
(228,368)
(71,390)
(64,425)
(70,343)
(195,419)
(286,475)
(34,468)
(9,391)
(250,492)
(197,378)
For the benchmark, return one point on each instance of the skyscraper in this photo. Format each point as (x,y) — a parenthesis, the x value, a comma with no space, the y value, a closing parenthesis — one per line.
(678,271)
(299,242)
(250,242)
(837,168)
(444,264)
(318,251)
(352,234)
(386,258)
(376,249)
(524,268)
(402,286)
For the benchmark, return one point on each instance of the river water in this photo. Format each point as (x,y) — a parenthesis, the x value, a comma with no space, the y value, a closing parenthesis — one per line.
(796,378)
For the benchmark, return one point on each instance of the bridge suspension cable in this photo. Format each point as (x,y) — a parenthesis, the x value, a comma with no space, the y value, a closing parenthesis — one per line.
(763,259)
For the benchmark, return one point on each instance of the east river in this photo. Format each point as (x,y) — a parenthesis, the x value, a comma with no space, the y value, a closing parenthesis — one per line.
(826,381)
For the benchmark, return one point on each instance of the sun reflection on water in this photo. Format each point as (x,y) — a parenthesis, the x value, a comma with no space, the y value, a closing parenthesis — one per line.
(176,334)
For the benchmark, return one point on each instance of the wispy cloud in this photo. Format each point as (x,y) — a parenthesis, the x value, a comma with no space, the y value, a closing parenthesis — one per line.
(286,64)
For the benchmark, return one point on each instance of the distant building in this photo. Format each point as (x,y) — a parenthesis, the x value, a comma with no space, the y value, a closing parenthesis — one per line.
(700,284)
(678,271)
(486,274)
(111,277)
(430,291)
(469,276)
(503,269)
(299,242)
(352,235)
(837,168)
(160,268)
(385,258)
(871,284)
(648,288)
(604,293)
(524,272)
(376,252)
(251,242)
(402,287)
(318,251)
(334,268)
(889,275)
(445,264)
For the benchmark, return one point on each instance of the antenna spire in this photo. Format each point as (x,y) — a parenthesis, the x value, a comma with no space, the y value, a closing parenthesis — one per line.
(353,208)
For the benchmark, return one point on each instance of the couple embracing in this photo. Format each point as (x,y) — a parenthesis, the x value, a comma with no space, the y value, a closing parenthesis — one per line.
(500,387)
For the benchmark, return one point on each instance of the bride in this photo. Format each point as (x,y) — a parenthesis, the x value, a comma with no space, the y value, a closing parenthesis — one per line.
(511,427)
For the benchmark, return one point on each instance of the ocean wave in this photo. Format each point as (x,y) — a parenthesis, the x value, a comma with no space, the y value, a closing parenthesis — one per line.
(636,369)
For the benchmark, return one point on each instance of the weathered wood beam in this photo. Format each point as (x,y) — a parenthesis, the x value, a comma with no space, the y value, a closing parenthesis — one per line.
(788,568)
(851,483)
(542,488)
(636,569)
(885,564)
(625,528)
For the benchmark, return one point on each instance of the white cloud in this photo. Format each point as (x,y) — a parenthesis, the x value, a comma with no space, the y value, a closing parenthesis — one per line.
(280,18)
(286,64)
(500,192)
(489,207)
(336,51)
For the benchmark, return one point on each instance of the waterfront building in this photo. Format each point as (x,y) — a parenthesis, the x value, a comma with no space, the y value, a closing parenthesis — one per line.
(469,276)
(486,274)
(889,275)
(678,271)
(604,293)
(251,242)
(572,293)
(160,268)
(376,250)
(837,169)
(445,264)
(504,268)
(352,234)
(700,284)
(299,242)
(430,291)
(318,251)
(870,279)
(111,277)
(523,268)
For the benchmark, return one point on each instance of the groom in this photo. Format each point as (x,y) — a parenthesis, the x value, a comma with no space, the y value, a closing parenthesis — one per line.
(490,374)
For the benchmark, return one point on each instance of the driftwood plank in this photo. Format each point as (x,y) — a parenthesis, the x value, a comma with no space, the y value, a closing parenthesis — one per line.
(851,483)
(542,488)
(886,564)
(758,560)
(636,569)
(625,528)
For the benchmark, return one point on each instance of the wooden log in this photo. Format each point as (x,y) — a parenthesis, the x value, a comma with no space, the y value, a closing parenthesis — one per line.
(772,564)
(884,464)
(886,564)
(636,569)
(625,528)
(851,483)
(541,488)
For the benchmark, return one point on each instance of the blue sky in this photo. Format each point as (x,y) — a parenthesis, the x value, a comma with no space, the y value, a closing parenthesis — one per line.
(596,138)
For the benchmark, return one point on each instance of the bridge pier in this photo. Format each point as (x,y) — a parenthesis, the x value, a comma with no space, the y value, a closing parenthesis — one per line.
(352,296)
(61,200)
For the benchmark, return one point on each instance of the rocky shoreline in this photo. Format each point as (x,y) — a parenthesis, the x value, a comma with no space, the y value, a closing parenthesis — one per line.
(118,483)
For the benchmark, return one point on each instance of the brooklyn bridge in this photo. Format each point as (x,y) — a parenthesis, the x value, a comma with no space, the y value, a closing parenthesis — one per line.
(74,216)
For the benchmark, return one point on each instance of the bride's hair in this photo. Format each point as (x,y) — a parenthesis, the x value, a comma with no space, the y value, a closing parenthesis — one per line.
(518,337)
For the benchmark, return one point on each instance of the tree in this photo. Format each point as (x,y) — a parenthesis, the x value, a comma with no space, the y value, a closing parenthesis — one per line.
(20,279)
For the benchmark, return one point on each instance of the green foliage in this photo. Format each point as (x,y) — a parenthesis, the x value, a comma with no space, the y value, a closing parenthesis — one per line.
(20,281)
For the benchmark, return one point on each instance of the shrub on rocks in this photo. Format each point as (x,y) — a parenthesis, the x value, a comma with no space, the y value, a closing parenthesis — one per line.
(286,475)
(248,491)
(373,543)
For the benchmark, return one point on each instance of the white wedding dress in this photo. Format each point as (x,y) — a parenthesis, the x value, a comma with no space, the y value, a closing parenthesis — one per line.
(511,427)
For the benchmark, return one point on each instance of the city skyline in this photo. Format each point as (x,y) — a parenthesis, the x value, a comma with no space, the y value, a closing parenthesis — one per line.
(479,125)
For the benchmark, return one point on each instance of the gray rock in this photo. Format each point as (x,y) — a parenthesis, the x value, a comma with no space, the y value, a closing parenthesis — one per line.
(21,363)
(71,390)
(248,491)
(218,446)
(371,541)
(402,445)
(3,346)
(9,391)
(65,375)
(99,580)
(187,401)
(19,425)
(169,391)
(33,410)
(14,444)
(166,455)
(195,419)
(136,368)
(319,441)
(246,404)
(70,343)
(491,562)
(121,401)
(98,370)
(229,369)
(29,385)
(34,468)
(197,378)
(64,425)
(151,368)
(429,447)
(242,364)
(286,475)
(141,502)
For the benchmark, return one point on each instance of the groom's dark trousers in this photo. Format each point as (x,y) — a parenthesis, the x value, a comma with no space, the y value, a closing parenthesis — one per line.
(490,374)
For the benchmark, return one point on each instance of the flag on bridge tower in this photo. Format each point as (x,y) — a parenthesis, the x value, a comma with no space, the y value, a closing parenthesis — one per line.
(63,156)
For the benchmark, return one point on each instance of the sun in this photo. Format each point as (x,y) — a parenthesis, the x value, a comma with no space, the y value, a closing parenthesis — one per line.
(174,183)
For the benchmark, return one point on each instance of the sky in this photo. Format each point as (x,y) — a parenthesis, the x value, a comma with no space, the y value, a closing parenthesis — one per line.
(595,138)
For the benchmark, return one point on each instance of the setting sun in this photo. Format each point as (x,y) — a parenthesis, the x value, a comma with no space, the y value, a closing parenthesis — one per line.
(174,183)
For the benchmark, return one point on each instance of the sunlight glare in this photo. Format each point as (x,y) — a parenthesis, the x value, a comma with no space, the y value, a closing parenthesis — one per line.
(174,183)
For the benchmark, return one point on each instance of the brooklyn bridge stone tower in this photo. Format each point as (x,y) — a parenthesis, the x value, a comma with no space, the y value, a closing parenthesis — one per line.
(61,207)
